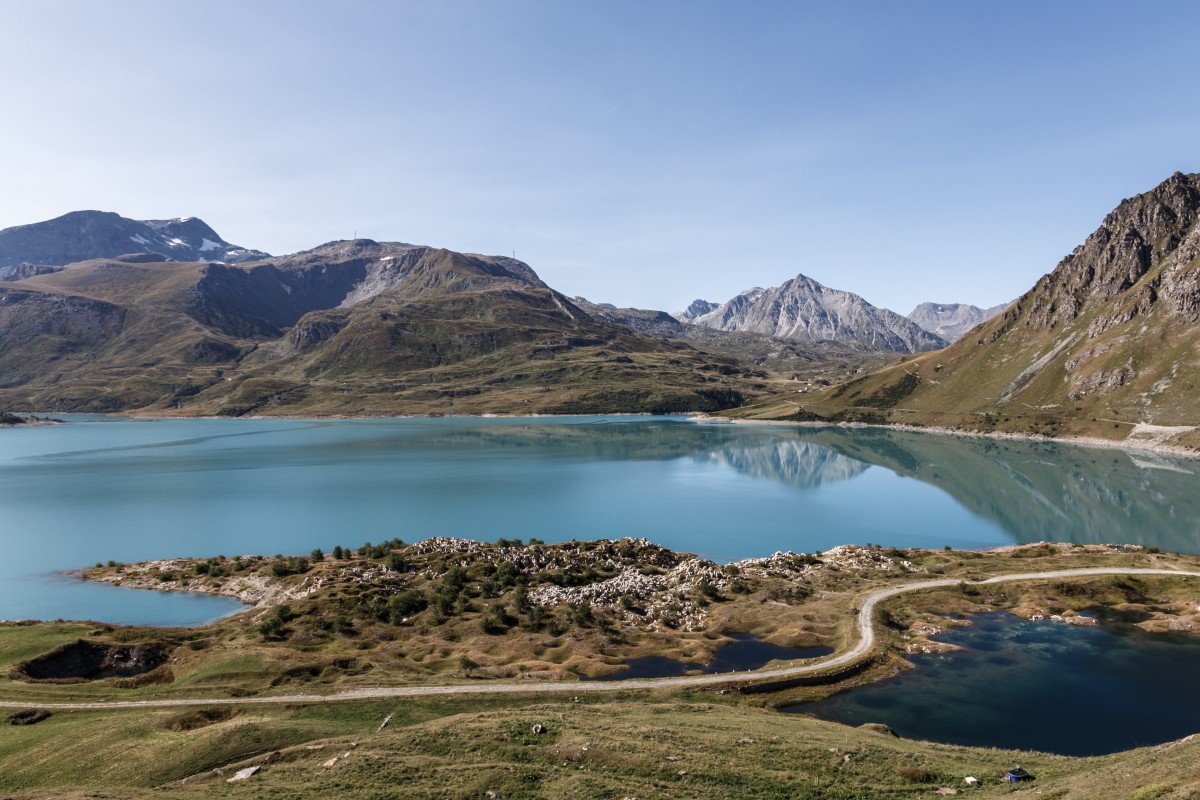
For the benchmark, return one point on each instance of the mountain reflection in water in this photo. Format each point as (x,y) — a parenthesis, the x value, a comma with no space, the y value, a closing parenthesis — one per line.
(1043,491)
(1033,490)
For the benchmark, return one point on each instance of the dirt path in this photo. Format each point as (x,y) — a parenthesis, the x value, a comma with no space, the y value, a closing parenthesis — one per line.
(864,645)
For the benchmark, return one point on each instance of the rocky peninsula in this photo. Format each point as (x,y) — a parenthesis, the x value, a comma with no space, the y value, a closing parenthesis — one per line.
(447,606)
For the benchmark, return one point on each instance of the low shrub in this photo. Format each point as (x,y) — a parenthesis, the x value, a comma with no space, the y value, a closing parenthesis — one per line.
(917,774)
(29,716)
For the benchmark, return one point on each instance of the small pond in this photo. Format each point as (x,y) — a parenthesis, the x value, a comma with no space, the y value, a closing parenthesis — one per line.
(746,651)
(1045,686)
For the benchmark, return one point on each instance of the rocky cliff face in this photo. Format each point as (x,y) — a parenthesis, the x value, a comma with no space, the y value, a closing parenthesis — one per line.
(84,235)
(802,309)
(1153,229)
(952,320)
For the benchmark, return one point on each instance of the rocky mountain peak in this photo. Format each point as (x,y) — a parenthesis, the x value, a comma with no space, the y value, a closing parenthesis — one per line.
(697,308)
(1139,233)
(803,309)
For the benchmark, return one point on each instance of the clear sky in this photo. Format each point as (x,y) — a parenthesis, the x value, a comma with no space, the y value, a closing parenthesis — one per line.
(642,153)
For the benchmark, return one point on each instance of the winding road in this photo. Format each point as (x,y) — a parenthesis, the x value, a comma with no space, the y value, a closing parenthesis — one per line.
(864,645)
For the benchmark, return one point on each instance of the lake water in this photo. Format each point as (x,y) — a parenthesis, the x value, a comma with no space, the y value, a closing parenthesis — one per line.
(1038,686)
(130,490)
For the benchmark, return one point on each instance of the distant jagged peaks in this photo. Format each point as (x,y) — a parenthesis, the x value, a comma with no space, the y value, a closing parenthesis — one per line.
(952,320)
(697,308)
(803,309)
(86,235)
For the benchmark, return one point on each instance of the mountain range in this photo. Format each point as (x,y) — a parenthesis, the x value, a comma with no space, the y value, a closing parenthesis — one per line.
(1107,344)
(100,312)
(350,327)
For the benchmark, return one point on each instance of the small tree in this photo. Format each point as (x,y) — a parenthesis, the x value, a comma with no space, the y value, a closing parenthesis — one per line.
(404,604)
(521,601)
(581,613)
(467,665)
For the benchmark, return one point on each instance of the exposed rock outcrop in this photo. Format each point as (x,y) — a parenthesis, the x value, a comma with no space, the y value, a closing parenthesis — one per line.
(84,660)
(1105,344)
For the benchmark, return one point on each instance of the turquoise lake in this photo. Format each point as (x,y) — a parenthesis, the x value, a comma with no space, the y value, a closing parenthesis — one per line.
(111,488)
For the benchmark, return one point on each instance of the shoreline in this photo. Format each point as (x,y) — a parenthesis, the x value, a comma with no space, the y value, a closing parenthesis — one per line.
(702,417)
(1077,441)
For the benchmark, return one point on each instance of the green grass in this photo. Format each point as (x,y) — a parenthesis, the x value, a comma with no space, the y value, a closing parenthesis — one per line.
(668,746)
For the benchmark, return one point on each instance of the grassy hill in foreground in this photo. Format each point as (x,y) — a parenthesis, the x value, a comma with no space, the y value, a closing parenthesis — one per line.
(1107,345)
(670,746)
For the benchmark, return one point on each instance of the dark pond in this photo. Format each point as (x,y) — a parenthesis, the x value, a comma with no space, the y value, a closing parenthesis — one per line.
(746,651)
(1038,686)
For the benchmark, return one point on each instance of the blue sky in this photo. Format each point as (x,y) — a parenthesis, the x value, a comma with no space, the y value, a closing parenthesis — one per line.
(639,153)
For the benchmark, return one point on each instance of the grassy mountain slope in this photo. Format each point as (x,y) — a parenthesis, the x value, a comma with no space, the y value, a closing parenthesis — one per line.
(1105,345)
(347,328)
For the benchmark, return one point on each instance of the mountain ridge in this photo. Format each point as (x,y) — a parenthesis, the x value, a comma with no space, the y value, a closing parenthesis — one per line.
(349,327)
(952,320)
(85,235)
